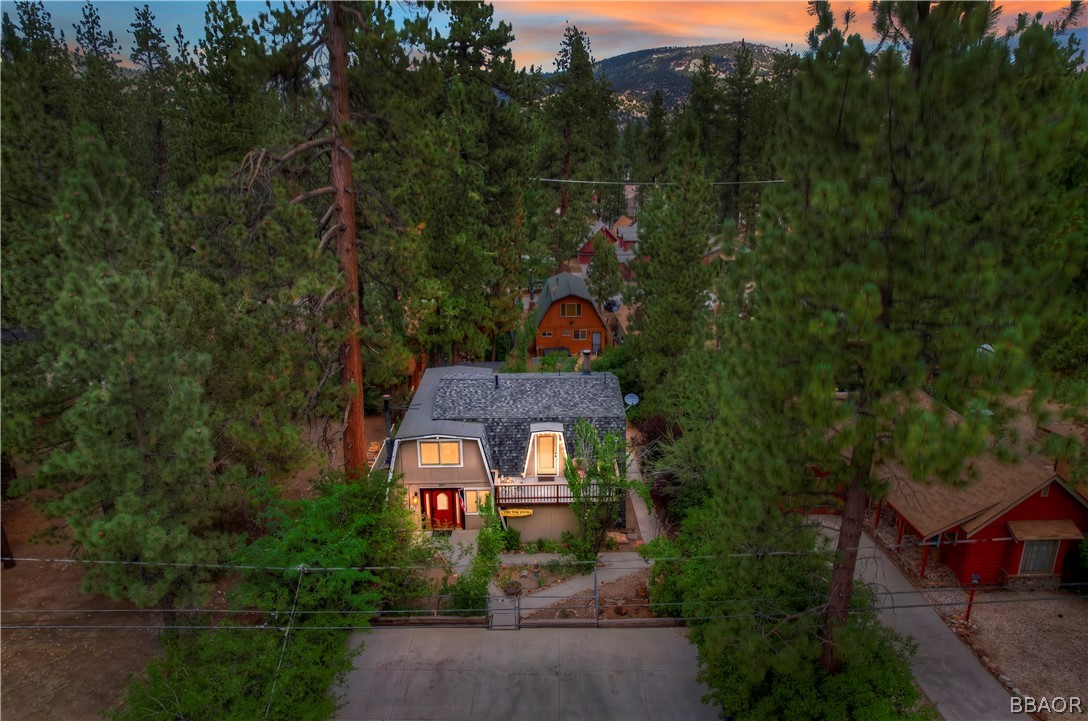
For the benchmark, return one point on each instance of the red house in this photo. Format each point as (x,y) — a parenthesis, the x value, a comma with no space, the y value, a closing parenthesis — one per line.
(598,233)
(1014,525)
(567,318)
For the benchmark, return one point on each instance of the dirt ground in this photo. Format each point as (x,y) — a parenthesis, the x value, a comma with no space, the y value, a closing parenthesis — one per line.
(75,674)
(62,674)
(623,598)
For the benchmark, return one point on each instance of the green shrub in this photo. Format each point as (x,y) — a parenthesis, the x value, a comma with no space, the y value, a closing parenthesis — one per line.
(511,539)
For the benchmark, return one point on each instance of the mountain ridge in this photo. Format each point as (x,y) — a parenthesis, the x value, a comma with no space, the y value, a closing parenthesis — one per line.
(637,74)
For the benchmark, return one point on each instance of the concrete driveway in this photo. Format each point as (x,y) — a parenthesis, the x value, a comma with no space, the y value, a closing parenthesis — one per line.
(539,674)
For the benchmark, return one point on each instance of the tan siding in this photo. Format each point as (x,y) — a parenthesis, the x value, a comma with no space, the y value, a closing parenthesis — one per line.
(546,522)
(472,471)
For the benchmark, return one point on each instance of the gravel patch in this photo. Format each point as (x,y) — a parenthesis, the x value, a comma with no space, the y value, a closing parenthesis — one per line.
(1041,646)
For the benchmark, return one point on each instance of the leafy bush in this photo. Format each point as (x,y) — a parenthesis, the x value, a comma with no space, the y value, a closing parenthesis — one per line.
(511,539)
(468,595)
(229,672)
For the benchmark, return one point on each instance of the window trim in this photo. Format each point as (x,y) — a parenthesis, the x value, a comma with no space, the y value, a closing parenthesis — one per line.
(545,334)
(1053,558)
(584,332)
(437,440)
(563,310)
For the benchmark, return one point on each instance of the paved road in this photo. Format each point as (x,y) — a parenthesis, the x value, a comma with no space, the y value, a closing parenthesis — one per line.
(948,672)
(542,674)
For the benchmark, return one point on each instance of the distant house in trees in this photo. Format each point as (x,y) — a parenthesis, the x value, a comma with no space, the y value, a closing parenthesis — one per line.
(1014,525)
(624,239)
(470,435)
(598,233)
(568,319)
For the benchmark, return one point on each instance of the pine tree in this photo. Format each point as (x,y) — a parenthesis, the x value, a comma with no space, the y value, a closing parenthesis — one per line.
(604,280)
(37,115)
(672,283)
(656,163)
(101,87)
(918,217)
(579,141)
(131,473)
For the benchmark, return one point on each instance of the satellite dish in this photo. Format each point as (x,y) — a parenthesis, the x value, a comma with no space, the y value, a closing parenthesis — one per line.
(986,348)
(631,399)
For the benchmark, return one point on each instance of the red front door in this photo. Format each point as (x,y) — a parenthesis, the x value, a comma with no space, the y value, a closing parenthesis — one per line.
(441,508)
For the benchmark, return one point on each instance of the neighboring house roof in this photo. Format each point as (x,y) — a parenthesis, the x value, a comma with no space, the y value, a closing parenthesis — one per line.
(559,286)
(462,401)
(622,221)
(628,233)
(937,507)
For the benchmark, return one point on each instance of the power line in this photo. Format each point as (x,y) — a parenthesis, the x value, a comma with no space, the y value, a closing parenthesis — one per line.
(718,617)
(571,181)
(395,611)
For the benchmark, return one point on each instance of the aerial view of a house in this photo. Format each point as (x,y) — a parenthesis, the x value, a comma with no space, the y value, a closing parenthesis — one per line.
(567,319)
(470,434)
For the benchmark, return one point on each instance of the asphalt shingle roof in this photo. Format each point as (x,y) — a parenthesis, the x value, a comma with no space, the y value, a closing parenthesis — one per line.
(559,286)
(466,399)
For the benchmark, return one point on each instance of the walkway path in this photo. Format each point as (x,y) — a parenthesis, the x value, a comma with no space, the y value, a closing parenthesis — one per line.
(542,674)
(946,670)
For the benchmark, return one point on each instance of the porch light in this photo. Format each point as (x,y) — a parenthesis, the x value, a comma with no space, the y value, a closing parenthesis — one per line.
(415,498)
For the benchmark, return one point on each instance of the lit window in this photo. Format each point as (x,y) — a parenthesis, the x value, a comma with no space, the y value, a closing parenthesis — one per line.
(581,334)
(439,453)
(571,310)
(1038,556)
(475,499)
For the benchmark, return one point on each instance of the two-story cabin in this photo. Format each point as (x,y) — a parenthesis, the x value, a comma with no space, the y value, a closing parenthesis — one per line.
(470,434)
(567,318)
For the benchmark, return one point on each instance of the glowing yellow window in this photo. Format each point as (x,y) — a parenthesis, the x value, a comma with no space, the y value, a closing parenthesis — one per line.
(440,453)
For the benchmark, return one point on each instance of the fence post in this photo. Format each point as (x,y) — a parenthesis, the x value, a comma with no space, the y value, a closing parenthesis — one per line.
(596,597)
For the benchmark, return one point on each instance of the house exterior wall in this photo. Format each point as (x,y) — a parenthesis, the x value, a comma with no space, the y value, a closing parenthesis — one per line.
(471,472)
(553,322)
(991,555)
(547,522)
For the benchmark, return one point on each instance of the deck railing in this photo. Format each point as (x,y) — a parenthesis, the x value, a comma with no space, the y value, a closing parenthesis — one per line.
(533,493)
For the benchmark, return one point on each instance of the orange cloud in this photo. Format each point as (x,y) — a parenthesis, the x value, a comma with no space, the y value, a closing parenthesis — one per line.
(619,26)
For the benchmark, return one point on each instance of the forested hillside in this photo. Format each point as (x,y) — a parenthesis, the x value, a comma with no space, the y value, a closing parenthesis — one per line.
(636,76)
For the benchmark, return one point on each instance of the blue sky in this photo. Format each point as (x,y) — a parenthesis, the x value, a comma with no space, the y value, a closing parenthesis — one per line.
(614,26)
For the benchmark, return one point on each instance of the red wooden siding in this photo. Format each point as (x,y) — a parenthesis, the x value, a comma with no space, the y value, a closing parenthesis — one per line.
(988,556)
(554,323)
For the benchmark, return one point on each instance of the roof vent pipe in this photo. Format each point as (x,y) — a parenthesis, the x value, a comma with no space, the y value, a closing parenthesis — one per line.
(496,381)
(585,363)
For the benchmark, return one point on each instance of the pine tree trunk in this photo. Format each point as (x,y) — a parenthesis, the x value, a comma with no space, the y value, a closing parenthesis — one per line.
(351,360)
(842,573)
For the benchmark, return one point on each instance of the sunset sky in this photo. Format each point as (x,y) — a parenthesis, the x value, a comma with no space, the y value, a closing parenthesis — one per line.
(613,26)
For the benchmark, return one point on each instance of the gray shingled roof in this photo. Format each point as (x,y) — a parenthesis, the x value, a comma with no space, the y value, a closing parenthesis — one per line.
(462,401)
(559,286)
